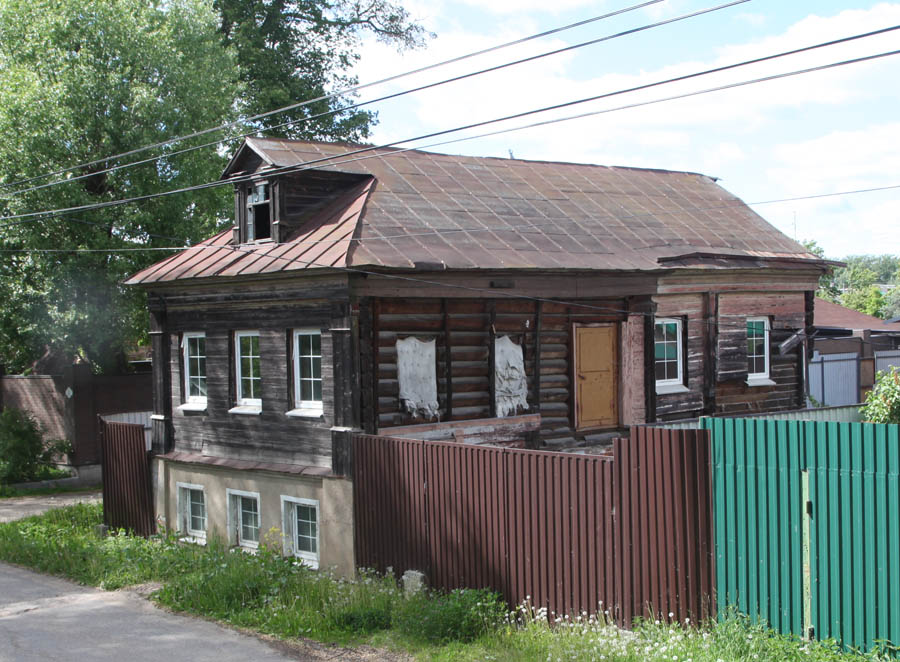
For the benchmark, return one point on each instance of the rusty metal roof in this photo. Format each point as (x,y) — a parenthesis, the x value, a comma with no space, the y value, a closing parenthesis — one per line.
(829,315)
(464,212)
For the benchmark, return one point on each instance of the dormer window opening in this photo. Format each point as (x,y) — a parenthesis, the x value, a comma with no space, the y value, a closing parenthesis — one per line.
(259,212)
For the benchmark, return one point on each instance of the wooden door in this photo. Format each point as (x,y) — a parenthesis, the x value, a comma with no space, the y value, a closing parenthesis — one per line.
(596,377)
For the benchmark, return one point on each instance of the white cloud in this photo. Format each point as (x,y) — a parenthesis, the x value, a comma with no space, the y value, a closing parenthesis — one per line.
(520,6)
(756,20)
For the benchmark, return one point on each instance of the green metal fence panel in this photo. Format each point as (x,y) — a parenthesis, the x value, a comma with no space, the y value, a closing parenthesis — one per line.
(834,485)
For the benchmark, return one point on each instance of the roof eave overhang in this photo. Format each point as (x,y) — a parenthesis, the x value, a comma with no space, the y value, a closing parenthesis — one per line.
(248,144)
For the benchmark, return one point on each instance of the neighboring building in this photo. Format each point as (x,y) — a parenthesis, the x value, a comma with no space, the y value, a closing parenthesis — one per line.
(386,289)
(850,347)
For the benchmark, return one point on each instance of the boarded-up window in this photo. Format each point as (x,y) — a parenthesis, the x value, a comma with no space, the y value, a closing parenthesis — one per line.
(510,382)
(417,377)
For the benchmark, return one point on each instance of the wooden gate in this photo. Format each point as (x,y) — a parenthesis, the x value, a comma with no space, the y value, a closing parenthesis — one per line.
(127,498)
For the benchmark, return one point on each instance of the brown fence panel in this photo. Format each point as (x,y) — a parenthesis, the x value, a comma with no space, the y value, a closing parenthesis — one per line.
(389,504)
(466,516)
(629,533)
(665,524)
(127,502)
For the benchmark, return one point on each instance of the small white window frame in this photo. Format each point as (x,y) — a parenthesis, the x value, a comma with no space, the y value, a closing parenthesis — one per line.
(761,378)
(288,519)
(245,405)
(183,506)
(676,384)
(195,402)
(304,408)
(235,523)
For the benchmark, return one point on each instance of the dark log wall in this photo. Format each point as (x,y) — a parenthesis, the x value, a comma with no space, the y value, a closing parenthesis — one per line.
(271,436)
(716,353)
(464,330)
(787,314)
(690,309)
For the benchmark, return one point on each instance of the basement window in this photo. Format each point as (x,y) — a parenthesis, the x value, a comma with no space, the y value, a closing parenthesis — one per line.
(301,529)
(259,212)
(191,505)
(243,518)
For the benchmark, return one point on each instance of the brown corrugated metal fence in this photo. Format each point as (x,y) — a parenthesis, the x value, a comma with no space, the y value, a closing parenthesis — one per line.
(629,532)
(127,502)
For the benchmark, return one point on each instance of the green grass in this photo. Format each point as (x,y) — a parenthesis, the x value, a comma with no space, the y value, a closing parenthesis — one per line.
(11,492)
(277,596)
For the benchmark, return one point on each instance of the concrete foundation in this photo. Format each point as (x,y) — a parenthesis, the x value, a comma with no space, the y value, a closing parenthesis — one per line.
(333,494)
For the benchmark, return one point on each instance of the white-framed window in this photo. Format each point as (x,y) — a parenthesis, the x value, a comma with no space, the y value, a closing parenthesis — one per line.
(191,505)
(301,528)
(757,349)
(307,359)
(668,353)
(259,212)
(246,369)
(193,348)
(243,518)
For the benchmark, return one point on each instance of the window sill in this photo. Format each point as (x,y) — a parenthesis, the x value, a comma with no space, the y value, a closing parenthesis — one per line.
(309,563)
(665,389)
(193,539)
(246,410)
(306,412)
(759,381)
(247,548)
(193,407)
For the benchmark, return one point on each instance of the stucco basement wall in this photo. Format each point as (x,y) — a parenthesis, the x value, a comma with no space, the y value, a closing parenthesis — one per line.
(335,497)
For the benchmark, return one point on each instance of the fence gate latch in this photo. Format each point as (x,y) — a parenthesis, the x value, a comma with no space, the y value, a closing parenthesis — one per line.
(809,508)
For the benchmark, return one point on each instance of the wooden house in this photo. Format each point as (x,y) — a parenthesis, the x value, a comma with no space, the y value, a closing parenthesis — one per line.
(406,292)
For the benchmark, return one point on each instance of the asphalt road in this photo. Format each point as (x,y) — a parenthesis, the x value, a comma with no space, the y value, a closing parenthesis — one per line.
(47,619)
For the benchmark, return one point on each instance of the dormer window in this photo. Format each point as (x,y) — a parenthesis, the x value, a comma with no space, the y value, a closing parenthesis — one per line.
(259,212)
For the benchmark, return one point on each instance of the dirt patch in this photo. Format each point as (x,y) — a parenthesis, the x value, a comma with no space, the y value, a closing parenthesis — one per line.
(306,649)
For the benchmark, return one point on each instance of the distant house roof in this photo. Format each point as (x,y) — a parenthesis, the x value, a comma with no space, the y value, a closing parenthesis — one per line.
(829,315)
(460,212)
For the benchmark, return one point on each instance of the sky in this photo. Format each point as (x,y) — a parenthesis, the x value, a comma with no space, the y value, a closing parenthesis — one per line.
(818,133)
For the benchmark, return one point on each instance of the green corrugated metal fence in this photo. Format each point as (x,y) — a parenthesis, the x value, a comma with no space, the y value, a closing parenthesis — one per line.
(807,526)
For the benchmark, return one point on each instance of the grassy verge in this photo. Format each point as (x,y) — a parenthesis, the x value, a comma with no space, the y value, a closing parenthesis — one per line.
(10,491)
(280,597)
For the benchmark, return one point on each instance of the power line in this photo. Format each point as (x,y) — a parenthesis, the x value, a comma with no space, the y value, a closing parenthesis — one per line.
(340,93)
(329,160)
(441,231)
(389,96)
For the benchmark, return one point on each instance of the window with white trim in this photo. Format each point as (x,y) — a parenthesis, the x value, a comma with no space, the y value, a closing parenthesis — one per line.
(259,212)
(757,348)
(247,373)
(191,504)
(194,354)
(668,355)
(243,518)
(307,354)
(301,528)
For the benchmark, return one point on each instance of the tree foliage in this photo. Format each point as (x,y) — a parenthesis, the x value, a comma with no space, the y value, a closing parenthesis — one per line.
(300,49)
(883,401)
(80,80)
(869,283)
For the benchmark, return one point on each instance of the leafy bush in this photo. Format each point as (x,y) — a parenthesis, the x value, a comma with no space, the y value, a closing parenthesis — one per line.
(461,615)
(23,453)
(883,401)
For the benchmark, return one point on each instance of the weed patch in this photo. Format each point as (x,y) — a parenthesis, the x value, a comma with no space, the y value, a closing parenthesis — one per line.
(284,598)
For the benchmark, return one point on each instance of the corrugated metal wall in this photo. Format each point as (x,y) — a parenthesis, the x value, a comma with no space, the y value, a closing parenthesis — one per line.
(807,518)
(630,532)
(884,360)
(834,378)
(127,502)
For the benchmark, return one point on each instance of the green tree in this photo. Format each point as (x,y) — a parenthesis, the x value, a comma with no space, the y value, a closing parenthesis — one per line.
(80,80)
(827,289)
(883,401)
(868,300)
(290,50)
